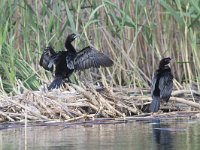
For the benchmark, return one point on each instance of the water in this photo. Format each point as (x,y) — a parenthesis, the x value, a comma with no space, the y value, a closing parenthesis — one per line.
(127,136)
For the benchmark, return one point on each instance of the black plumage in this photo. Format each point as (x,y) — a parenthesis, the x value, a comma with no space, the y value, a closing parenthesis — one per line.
(66,62)
(162,84)
(46,60)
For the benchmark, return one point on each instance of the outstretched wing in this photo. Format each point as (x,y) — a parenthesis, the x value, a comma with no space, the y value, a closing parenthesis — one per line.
(90,57)
(45,62)
(47,59)
(166,85)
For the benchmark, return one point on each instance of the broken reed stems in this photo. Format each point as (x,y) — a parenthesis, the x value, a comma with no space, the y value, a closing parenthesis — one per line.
(85,103)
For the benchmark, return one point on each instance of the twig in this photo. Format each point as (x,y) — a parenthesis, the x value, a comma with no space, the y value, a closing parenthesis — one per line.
(181,100)
(3,114)
(179,92)
(38,115)
(86,94)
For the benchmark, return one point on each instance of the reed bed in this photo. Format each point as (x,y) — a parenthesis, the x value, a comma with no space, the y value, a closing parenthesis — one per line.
(136,34)
(75,103)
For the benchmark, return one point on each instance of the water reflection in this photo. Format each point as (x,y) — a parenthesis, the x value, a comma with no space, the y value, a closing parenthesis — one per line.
(161,134)
(135,135)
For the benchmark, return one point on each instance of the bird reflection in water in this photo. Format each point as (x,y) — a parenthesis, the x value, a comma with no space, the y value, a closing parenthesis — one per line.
(162,134)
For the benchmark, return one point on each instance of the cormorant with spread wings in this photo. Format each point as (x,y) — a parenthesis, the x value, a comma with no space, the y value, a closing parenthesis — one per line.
(68,61)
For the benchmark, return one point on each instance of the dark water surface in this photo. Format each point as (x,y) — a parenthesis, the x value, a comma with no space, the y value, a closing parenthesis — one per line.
(127,136)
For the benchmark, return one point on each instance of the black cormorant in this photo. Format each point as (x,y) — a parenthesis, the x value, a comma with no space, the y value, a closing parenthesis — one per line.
(162,84)
(68,61)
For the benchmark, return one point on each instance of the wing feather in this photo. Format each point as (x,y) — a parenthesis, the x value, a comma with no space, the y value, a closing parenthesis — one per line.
(90,57)
(70,62)
(48,58)
(46,61)
(153,82)
(166,85)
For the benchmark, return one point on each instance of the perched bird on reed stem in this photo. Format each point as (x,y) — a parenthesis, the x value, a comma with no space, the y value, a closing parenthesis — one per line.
(162,84)
(66,62)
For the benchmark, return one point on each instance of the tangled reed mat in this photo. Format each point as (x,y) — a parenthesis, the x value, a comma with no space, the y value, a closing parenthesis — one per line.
(91,105)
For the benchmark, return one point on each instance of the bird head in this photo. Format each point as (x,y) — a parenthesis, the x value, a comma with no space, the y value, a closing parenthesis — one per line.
(164,62)
(71,37)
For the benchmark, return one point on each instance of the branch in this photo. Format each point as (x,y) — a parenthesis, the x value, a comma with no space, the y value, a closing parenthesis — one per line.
(181,100)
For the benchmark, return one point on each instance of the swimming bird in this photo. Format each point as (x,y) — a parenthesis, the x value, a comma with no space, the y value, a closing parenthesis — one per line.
(162,84)
(66,62)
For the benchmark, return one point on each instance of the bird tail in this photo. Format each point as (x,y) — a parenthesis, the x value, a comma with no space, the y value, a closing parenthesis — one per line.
(155,104)
(56,83)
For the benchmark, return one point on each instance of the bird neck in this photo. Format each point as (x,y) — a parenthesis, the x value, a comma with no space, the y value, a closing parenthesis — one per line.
(70,47)
(164,67)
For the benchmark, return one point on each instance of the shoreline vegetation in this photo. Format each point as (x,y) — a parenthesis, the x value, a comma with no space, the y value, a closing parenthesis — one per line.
(135,34)
(77,104)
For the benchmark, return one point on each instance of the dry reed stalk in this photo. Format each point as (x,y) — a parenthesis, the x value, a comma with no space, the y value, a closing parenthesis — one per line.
(7,116)
(86,94)
(184,101)
(106,104)
(49,111)
(179,92)
(33,112)
(80,117)
(20,116)
(84,104)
